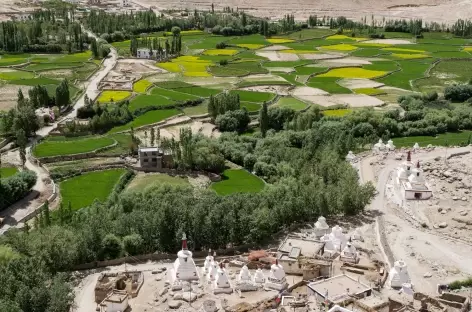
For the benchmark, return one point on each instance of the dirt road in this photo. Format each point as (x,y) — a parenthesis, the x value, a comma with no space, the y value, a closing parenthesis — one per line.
(424,251)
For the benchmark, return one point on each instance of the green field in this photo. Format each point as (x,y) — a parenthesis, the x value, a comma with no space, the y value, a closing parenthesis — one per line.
(55,146)
(446,139)
(82,190)
(199,91)
(445,73)
(16,75)
(13,59)
(196,110)
(173,95)
(336,112)
(147,119)
(142,181)
(327,84)
(144,100)
(250,106)
(253,96)
(410,70)
(291,102)
(8,171)
(238,181)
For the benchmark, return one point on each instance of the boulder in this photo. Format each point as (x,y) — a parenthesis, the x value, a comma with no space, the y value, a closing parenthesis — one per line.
(463,213)
(174,304)
(464,199)
(427,275)
(163,291)
(442,225)
(189,297)
(177,296)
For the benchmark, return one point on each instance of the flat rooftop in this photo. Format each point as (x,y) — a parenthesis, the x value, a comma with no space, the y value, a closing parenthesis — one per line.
(338,287)
(116,297)
(307,247)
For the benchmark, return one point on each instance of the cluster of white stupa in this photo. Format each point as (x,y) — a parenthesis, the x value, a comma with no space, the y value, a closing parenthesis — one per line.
(335,241)
(185,271)
(399,277)
(381,147)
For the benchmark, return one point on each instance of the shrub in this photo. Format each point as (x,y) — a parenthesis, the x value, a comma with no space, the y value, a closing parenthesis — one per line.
(223,62)
(458,93)
(430,96)
(111,247)
(133,244)
(216,30)
(249,161)
(221,45)
(16,187)
(236,120)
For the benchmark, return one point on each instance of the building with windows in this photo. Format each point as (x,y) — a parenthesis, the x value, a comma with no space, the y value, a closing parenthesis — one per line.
(153,157)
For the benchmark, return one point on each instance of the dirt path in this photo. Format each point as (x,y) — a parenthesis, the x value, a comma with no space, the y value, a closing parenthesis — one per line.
(424,251)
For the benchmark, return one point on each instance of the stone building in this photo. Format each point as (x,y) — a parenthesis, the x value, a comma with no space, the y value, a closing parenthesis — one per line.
(153,157)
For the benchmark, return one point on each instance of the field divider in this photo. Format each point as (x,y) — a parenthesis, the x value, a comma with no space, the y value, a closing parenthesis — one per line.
(426,74)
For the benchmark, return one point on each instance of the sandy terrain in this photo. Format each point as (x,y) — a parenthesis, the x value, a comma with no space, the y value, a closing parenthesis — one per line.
(322,100)
(358,83)
(321,56)
(300,92)
(278,56)
(172,129)
(281,69)
(275,48)
(358,100)
(263,77)
(282,90)
(162,77)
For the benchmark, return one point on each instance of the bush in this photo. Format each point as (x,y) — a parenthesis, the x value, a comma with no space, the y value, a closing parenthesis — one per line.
(216,30)
(111,247)
(236,120)
(16,187)
(133,244)
(221,45)
(430,96)
(249,161)
(458,93)
(223,62)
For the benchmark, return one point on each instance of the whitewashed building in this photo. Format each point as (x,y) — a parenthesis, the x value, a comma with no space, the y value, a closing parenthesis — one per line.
(390,145)
(145,53)
(184,269)
(411,182)
(116,301)
(125,3)
(276,279)
(398,275)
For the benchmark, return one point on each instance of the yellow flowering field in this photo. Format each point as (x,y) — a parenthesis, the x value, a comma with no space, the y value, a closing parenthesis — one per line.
(220,52)
(353,72)
(468,49)
(113,96)
(141,86)
(340,47)
(250,46)
(372,45)
(410,56)
(169,66)
(369,91)
(337,112)
(403,50)
(279,40)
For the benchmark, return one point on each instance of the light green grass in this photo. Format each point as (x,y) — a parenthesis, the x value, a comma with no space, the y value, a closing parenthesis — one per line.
(199,91)
(336,112)
(69,146)
(82,190)
(16,75)
(445,73)
(369,91)
(449,139)
(291,102)
(142,181)
(141,86)
(368,52)
(8,171)
(327,84)
(238,181)
(13,59)
(147,119)
(196,110)
(144,100)
(411,70)
(306,70)
(51,66)
(108,96)
(173,95)
(250,106)
(35,81)
(286,63)
(311,33)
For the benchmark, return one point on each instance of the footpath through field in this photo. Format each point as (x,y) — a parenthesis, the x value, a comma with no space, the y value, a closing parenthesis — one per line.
(429,246)
(42,190)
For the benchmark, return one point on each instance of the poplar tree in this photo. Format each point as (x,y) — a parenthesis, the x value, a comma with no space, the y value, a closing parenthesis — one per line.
(264,120)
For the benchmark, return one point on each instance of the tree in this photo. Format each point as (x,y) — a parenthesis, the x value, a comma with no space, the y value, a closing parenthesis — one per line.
(133,244)
(264,120)
(111,247)
(94,48)
(21,141)
(62,94)
(175,31)
(153,136)
(47,218)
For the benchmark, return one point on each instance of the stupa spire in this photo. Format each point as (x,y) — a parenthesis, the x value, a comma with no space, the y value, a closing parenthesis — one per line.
(184,242)
(408,156)
(418,164)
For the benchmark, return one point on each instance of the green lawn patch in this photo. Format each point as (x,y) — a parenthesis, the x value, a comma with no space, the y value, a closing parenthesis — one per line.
(308,70)
(142,181)
(16,75)
(251,39)
(196,110)
(250,106)
(286,63)
(446,139)
(209,42)
(249,55)
(410,70)
(122,148)
(173,95)
(310,33)
(144,100)
(394,34)
(82,190)
(369,91)
(35,81)
(238,181)
(368,52)
(452,54)
(337,112)
(250,67)
(429,47)
(8,171)
(251,83)
(13,59)
(327,84)
(69,146)
(226,71)
(49,66)
(147,119)
(199,91)
(291,102)
(445,73)
(173,84)
(292,78)
(387,66)
(254,96)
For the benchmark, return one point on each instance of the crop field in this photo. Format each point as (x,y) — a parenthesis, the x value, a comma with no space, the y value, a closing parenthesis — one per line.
(238,181)
(144,100)
(141,86)
(252,96)
(6,172)
(251,106)
(173,95)
(147,119)
(196,110)
(68,146)
(446,139)
(292,103)
(445,73)
(198,91)
(142,181)
(327,84)
(336,112)
(82,190)
(220,52)
(113,96)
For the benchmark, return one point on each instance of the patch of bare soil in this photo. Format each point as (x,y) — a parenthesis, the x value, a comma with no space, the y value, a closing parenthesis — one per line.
(281,90)
(359,83)
(9,95)
(278,56)
(307,91)
(358,100)
(389,41)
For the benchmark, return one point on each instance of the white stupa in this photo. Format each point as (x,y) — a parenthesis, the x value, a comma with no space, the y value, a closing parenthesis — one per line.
(321,227)
(405,168)
(259,277)
(184,269)
(221,283)
(212,270)
(244,281)
(390,145)
(416,146)
(276,279)
(379,146)
(398,275)
(411,182)
(208,260)
(349,253)
(351,157)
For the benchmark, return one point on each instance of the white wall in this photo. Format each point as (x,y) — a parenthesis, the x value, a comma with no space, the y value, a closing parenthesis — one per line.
(117,307)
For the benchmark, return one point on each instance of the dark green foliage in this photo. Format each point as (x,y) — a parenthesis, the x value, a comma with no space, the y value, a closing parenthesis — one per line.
(133,244)
(234,120)
(278,116)
(458,93)
(62,94)
(16,187)
(111,247)
(222,103)
(264,120)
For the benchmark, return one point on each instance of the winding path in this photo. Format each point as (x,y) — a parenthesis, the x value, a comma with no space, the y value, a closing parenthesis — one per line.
(42,190)
(420,248)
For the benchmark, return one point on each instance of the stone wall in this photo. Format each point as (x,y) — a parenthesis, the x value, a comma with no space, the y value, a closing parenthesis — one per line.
(384,241)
